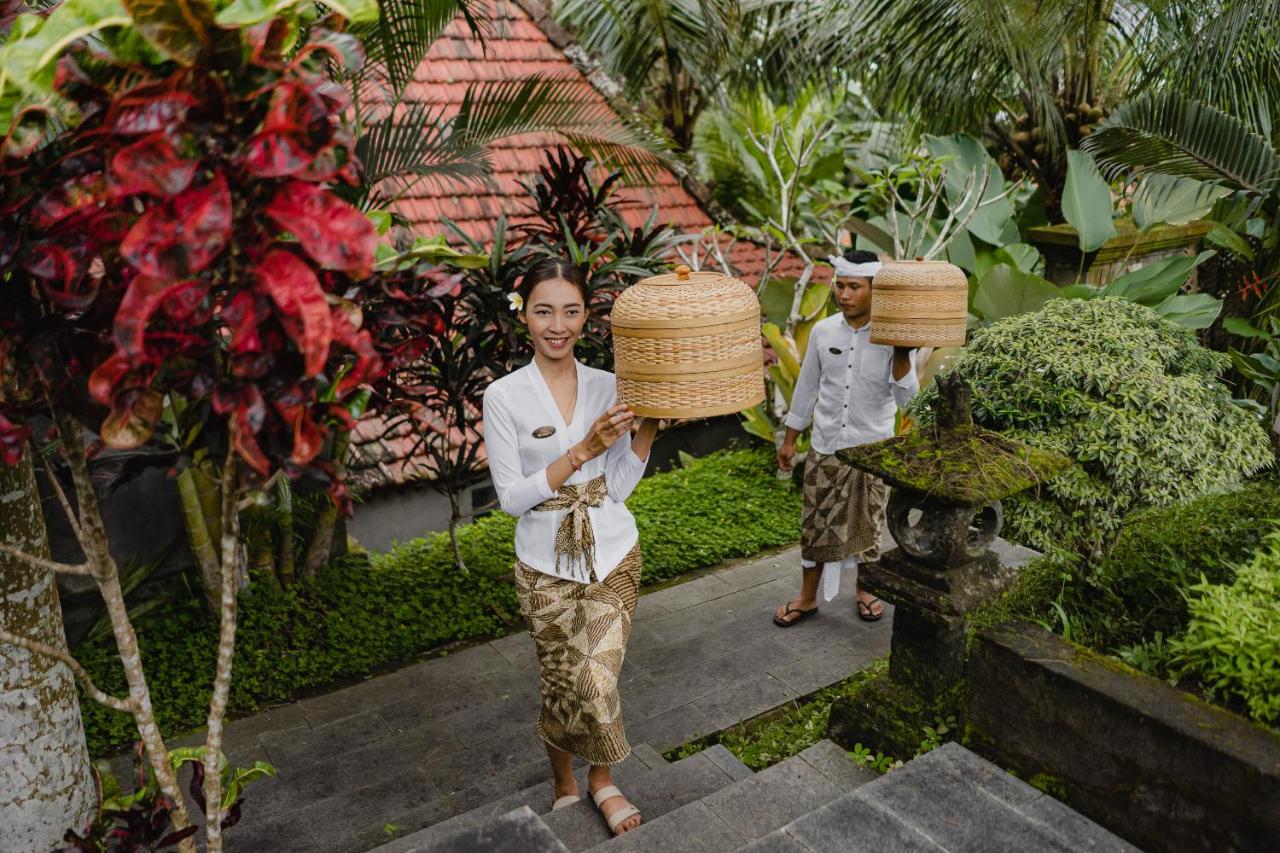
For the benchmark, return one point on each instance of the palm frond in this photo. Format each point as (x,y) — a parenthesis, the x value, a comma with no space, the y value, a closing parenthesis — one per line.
(398,41)
(1174,135)
(412,145)
(559,105)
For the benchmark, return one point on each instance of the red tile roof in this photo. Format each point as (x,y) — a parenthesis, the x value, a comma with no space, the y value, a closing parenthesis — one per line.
(517,48)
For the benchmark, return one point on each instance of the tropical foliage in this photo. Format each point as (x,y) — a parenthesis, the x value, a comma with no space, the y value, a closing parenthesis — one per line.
(1132,397)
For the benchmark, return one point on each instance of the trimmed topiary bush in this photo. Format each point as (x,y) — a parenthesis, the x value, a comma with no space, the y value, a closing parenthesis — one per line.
(1232,643)
(1133,398)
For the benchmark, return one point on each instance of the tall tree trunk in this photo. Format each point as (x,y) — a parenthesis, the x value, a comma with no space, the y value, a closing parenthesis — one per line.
(287,570)
(46,787)
(455,515)
(320,549)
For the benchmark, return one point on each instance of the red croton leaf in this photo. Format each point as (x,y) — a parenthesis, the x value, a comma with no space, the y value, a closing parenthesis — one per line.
(133,418)
(107,377)
(69,198)
(308,437)
(246,420)
(178,239)
(369,364)
(152,165)
(140,301)
(334,233)
(296,291)
(13,437)
(62,274)
(149,110)
(296,129)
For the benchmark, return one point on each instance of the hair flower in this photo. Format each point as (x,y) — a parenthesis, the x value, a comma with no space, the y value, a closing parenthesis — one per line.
(516,300)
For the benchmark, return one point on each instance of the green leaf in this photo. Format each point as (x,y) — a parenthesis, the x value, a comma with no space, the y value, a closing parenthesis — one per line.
(1241,327)
(1021,256)
(1171,134)
(1006,291)
(1192,310)
(180,29)
(961,251)
(1086,202)
(1221,235)
(1152,284)
(246,13)
(381,220)
(29,57)
(1177,201)
(1081,291)
(775,301)
(873,234)
(967,161)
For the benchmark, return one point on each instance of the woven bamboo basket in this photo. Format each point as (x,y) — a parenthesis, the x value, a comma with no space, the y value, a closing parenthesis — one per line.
(919,304)
(687,345)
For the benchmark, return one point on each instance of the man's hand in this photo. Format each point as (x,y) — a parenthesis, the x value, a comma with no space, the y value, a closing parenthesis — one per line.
(786,457)
(901,361)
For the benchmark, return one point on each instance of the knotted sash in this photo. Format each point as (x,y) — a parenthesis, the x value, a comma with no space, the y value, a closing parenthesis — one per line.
(575,538)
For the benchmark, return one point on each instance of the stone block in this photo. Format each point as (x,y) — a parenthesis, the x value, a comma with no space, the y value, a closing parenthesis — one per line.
(853,823)
(833,762)
(519,831)
(772,798)
(1156,766)
(690,829)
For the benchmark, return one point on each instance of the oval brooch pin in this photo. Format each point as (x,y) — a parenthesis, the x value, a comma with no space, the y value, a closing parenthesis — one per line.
(544,432)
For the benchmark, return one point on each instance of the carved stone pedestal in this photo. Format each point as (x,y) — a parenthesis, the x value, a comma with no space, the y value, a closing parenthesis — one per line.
(944,513)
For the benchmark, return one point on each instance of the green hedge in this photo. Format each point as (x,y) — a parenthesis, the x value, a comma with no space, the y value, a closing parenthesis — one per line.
(1232,643)
(371,611)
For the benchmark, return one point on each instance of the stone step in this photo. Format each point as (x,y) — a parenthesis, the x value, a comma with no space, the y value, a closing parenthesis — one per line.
(537,796)
(517,831)
(946,800)
(666,789)
(752,807)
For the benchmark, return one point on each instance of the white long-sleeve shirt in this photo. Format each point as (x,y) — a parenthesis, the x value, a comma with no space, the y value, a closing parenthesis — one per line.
(847,391)
(519,405)
(846,387)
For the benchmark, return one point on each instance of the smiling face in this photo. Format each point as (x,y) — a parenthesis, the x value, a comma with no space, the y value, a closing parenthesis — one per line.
(555,315)
(853,296)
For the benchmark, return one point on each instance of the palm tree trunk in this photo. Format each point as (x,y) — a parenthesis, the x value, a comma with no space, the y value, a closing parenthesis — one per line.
(46,787)
(286,571)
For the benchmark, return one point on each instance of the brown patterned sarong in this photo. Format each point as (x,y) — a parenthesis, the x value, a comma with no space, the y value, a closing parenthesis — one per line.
(843,511)
(580,631)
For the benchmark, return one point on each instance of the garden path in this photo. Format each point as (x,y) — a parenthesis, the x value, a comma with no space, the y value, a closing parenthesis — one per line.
(401,751)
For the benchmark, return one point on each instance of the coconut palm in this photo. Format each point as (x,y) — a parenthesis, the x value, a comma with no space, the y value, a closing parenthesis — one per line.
(681,56)
(1035,75)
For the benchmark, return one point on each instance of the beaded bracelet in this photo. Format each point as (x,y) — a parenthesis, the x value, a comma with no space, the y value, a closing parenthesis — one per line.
(568,454)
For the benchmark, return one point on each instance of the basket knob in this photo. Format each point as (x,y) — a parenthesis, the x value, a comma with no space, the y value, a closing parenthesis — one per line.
(682,272)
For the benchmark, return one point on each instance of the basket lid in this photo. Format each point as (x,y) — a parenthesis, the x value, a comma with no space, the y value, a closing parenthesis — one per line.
(920,274)
(682,294)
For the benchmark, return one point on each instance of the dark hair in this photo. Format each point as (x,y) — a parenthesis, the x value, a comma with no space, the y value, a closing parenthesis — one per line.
(549,269)
(860,256)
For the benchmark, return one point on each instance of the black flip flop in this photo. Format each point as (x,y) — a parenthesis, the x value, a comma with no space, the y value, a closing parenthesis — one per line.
(804,614)
(865,613)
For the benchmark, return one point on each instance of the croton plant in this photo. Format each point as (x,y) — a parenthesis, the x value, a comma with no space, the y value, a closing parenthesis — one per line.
(183,241)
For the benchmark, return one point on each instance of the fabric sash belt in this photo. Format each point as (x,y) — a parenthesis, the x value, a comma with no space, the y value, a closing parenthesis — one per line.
(575,539)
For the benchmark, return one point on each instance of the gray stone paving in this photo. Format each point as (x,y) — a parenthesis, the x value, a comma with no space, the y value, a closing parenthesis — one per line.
(374,761)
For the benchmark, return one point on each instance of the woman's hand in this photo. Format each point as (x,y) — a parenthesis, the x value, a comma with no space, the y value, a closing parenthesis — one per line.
(607,429)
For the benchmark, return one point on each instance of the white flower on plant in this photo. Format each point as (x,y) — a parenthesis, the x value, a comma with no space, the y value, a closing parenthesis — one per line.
(516,300)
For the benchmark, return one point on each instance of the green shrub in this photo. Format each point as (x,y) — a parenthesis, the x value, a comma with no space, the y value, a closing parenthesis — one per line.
(1132,397)
(1140,588)
(1232,643)
(373,610)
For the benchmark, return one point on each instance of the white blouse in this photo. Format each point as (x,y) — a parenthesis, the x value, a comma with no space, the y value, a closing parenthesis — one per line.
(524,432)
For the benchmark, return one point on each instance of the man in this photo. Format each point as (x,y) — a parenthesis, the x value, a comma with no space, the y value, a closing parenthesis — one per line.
(850,389)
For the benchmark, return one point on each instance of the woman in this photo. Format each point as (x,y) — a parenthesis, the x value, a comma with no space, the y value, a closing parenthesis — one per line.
(563,461)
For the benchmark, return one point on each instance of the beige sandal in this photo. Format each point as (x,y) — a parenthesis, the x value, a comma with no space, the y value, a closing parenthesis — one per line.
(618,817)
(565,801)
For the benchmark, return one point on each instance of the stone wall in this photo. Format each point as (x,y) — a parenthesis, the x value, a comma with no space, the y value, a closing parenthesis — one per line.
(1151,763)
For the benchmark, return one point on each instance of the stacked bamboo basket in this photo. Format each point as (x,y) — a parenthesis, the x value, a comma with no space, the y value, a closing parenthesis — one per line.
(919,304)
(687,345)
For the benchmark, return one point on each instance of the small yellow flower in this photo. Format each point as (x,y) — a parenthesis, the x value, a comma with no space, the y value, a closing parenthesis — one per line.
(517,302)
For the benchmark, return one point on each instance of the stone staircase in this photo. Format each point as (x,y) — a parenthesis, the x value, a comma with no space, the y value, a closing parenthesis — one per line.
(819,800)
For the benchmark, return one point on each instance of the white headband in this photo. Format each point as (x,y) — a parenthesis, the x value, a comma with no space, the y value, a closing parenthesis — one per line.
(846,268)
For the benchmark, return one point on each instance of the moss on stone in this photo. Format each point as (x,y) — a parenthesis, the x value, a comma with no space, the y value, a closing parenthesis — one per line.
(960,465)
